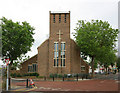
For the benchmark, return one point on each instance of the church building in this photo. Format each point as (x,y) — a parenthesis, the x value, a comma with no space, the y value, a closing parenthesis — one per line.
(59,54)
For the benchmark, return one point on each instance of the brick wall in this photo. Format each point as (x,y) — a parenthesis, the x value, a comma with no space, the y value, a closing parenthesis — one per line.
(15,71)
(32,60)
(83,63)
(75,58)
(42,59)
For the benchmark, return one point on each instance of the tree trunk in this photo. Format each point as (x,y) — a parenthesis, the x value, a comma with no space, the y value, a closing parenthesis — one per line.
(92,67)
(106,71)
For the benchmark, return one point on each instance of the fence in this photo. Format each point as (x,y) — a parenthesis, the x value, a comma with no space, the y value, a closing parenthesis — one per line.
(20,82)
(23,81)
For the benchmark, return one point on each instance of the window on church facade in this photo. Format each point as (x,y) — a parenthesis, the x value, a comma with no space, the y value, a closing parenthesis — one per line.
(29,68)
(54,18)
(65,18)
(59,18)
(63,54)
(82,68)
(56,54)
(34,67)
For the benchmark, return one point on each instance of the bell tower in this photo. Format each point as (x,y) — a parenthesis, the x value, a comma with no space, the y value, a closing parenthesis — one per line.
(59,42)
(60,23)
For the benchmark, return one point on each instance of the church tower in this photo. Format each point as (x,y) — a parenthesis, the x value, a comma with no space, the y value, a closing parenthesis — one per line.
(59,42)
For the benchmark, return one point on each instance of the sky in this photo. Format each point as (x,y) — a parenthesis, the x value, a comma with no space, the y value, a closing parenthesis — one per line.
(36,12)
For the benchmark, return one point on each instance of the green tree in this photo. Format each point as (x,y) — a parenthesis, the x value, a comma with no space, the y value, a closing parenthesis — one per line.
(95,38)
(17,38)
(108,59)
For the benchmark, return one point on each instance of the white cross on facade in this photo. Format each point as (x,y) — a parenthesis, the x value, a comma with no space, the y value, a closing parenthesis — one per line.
(59,34)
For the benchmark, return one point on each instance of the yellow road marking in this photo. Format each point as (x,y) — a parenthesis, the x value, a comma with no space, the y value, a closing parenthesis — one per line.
(20,89)
(31,89)
(24,89)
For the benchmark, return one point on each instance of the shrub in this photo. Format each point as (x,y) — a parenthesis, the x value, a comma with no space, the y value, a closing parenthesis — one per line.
(24,74)
(65,75)
(36,74)
(18,75)
(51,76)
(13,75)
(82,75)
(31,74)
(59,76)
(55,75)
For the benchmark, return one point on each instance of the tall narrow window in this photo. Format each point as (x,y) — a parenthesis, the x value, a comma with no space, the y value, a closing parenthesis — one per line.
(34,67)
(65,18)
(63,54)
(54,18)
(59,18)
(82,68)
(56,54)
(29,68)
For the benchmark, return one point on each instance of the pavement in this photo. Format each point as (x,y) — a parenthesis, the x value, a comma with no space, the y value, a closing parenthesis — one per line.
(82,85)
(22,88)
(107,77)
(99,83)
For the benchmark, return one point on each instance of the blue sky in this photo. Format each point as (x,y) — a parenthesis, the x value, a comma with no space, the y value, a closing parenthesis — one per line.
(36,12)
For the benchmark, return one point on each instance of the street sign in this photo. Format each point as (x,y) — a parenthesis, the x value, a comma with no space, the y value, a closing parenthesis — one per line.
(7,61)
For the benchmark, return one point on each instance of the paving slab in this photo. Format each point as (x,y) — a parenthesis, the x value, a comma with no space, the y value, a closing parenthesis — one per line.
(82,85)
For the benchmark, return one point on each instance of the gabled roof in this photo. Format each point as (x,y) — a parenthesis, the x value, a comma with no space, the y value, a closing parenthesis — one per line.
(30,58)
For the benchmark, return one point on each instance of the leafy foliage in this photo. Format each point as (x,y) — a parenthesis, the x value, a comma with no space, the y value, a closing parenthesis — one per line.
(17,63)
(17,38)
(31,74)
(109,58)
(96,39)
(22,75)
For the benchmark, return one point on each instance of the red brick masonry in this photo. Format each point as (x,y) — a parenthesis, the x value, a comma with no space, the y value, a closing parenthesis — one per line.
(85,85)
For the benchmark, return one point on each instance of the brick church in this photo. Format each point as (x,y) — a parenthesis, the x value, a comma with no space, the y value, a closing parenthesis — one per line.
(59,54)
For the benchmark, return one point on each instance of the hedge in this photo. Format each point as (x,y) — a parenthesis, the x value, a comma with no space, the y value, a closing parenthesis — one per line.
(82,75)
(22,75)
